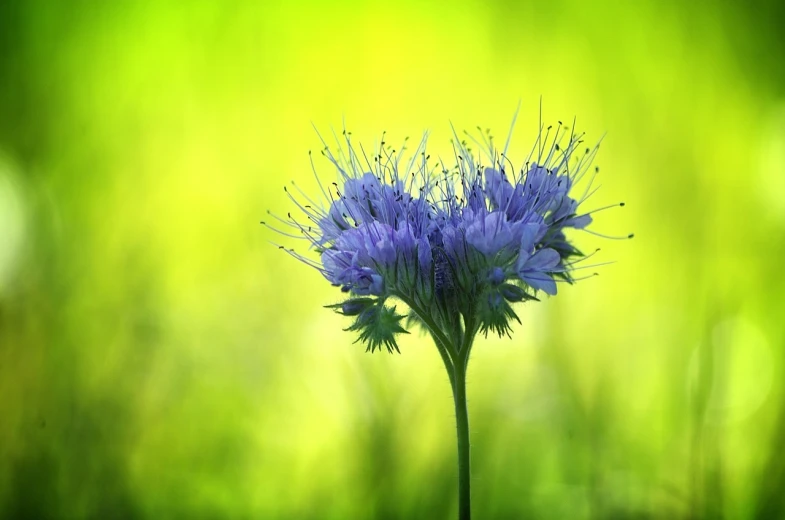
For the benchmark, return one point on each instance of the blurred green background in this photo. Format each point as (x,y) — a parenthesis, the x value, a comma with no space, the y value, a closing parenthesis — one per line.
(160,359)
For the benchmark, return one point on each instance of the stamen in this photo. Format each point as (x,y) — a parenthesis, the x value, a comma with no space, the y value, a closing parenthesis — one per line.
(611,237)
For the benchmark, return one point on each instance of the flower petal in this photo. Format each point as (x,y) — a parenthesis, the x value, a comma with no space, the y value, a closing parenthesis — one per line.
(531,233)
(541,281)
(543,260)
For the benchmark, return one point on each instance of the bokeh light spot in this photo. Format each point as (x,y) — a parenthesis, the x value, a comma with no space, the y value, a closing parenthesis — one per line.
(12,223)
(772,167)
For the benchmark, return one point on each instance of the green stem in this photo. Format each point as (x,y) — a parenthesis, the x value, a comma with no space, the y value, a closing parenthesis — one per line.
(464,448)
(455,356)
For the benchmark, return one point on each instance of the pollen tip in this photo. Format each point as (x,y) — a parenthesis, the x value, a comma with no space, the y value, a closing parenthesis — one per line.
(631,235)
(621,204)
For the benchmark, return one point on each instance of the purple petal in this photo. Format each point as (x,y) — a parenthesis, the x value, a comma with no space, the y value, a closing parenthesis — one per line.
(579,222)
(531,233)
(543,260)
(424,254)
(542,282)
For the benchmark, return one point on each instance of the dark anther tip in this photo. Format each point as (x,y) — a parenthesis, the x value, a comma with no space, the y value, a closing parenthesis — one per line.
(631,235)
(621,204)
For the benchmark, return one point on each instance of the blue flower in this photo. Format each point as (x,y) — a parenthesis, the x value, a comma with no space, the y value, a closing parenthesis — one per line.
(456,245)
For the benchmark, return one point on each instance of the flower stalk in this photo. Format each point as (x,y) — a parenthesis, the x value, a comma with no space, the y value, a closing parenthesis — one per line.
(464,446)
(456,362)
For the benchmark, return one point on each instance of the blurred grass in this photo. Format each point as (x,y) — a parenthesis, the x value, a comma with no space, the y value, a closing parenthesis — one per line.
(159,359)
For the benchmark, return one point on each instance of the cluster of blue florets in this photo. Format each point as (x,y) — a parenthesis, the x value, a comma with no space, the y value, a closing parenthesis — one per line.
(458,245)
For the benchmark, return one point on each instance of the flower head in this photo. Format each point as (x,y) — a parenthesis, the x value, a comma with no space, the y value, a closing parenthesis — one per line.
(456,245)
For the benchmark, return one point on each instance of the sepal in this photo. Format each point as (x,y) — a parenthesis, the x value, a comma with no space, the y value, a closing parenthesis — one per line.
(378,325)
(495,314)
(513,293)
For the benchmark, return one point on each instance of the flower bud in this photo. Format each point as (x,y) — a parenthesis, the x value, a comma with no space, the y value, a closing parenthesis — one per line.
(496,276)
(512,293)
(352,307)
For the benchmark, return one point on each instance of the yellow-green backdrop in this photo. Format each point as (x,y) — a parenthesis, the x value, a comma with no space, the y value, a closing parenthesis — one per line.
(159,358)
